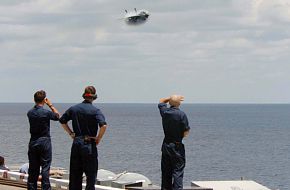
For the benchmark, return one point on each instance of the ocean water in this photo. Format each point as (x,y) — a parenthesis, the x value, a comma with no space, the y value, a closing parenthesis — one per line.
(226,142)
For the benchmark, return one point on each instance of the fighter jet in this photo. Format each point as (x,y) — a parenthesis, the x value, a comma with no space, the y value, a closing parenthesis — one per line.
(136,17)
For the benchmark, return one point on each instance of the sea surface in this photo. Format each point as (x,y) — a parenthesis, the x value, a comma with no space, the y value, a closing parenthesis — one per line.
(226,142)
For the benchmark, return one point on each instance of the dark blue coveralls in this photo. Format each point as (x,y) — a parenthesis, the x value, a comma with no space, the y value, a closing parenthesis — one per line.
(84,155)
(175,123)
(39,149)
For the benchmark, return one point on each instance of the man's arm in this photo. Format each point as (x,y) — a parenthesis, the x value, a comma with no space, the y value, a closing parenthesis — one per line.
(53,109)
(186,126)
(68,130)
(101,134)
(164,100)
(63,120)
(162,106)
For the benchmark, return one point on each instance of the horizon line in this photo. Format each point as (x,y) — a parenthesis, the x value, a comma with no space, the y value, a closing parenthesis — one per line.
(241,103)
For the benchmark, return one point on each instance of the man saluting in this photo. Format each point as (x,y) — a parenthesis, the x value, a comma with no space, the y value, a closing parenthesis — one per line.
(39,149)
(175,127)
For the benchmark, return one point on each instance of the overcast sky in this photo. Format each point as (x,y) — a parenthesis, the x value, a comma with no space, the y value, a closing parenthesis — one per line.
(211,51)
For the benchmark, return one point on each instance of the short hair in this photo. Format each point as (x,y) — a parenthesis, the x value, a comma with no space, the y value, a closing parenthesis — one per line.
(39,96)
(90,93)
(1,161)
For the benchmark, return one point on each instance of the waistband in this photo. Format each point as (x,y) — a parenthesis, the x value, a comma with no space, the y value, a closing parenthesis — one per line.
(174,142)
(34,138)
(86,139)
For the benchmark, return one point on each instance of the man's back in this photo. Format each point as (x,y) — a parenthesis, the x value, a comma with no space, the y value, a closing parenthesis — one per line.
(85,118)
(39,120)
(174,123)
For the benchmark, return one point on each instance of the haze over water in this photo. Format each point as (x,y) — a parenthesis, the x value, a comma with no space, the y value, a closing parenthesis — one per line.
(227,141)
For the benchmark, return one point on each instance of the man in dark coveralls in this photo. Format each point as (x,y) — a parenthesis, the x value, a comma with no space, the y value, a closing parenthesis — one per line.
(86,118)
(175,127)
(39,149)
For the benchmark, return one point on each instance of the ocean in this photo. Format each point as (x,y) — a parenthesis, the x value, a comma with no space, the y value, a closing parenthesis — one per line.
(226,141)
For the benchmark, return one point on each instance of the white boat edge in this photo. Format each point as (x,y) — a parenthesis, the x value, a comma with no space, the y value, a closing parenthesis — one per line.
(20,178)
(230,185)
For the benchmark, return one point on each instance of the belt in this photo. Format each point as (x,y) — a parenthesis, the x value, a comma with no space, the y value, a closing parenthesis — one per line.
(174,142)
(87,138)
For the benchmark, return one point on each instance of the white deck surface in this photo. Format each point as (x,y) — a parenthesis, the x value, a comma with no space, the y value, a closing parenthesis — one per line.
(5,187)
(230,185)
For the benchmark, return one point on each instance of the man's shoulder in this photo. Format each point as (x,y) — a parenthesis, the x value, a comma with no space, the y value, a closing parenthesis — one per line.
(30,110)
(95,108)
(176,111)
(84,106)
(182,113)
(76,106)
(39,110)
(45,111)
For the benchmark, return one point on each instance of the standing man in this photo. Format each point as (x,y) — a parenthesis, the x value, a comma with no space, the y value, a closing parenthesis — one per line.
(86,118)
(39,149)
(175,127)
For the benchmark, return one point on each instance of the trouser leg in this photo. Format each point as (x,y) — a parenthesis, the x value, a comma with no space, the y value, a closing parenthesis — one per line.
(76,170)
(178,169)
(46,158)
(97,163)
(89,154)
(178,178)
(34,166)
(166,169)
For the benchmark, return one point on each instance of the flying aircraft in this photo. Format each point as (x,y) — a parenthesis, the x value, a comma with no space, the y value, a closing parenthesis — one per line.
(136,17)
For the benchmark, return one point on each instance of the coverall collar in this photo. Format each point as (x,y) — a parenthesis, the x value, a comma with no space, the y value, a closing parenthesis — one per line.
(174,107)
(87,102)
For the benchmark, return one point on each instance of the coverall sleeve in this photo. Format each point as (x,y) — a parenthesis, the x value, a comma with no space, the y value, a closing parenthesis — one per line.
(101,118)
(65,117)
(185,122)
(53,116)
(162,108)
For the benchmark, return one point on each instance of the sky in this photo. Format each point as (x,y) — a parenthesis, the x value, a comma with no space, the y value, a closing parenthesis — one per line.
(222,51)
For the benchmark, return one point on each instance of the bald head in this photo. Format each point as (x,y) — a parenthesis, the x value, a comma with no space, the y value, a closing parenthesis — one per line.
(175,100)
